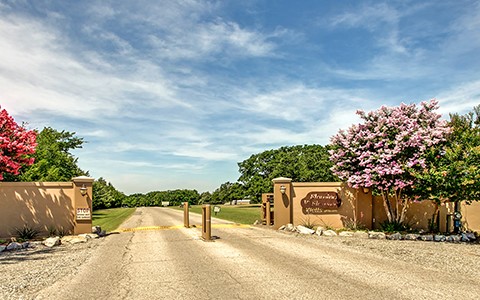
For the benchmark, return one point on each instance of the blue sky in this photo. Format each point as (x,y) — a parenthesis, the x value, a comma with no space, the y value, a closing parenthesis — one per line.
(172,94)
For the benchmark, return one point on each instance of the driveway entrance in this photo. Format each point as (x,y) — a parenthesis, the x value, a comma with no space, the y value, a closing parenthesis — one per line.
(255,263)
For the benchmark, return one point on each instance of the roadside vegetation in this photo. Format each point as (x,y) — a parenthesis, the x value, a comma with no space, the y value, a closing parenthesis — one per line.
(110,219)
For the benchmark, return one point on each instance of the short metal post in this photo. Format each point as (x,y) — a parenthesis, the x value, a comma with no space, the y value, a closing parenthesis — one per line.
(206,222)
(186,216)
(268,213)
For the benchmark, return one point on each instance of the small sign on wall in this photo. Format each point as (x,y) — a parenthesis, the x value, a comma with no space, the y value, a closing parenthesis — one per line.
(84,214)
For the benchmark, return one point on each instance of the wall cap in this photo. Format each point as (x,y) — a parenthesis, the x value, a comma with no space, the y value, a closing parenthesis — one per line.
(43,184)
(281,179)
(83,179)
(319,184)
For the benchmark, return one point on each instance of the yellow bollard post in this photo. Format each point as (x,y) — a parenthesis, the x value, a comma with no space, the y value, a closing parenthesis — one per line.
(206,222)
(186,216)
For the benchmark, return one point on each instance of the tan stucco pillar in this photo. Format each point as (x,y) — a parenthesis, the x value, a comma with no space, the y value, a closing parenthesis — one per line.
(82,204)
(364,210)
(283,210)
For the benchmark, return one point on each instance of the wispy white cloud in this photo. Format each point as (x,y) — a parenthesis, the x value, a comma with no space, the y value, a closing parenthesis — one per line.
(182,30)
(295,102)
(404,46)
(216,38)
(380,18)
(42,75)
(459,99)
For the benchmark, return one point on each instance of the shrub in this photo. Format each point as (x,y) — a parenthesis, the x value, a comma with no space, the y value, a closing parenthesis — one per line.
(307,223)
(61,232)
(52,231)
(26,232)
(393,226)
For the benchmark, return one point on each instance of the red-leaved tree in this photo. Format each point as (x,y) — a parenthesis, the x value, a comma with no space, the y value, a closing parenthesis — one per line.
(17,144)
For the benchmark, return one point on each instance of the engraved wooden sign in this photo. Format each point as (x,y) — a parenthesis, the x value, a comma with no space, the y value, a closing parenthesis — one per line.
(320,202)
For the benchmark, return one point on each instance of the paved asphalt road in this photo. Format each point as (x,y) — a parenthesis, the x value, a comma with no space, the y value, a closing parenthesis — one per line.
(244,263)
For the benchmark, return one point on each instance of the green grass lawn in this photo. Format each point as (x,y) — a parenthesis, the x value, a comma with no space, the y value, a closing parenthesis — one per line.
(242,214)
(110,219)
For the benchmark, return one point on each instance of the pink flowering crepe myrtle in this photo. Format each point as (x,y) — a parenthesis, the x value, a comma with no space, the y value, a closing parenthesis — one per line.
(382,151)
(16,145)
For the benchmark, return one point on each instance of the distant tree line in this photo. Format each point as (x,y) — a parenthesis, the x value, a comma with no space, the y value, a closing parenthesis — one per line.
(302,163)
(174,197)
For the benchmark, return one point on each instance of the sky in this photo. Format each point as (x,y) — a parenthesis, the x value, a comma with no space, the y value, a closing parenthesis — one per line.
(173,94)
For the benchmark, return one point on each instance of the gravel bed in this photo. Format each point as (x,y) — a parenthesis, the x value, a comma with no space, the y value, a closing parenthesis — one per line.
(25,272)
(459,258)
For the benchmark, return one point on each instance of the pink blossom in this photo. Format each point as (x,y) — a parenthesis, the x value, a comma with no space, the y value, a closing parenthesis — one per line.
(390,141)
(16,145)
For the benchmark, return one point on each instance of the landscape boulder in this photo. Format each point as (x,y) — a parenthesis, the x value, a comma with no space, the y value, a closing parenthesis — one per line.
(78,240)
(14,246)
(426,237)
(376,235)
(96,229)
(74,239)
(465,238)
(319,230)
(411,236)
(346,233)
(454,238)
(52,241)
(396,236)
(439,238)
(2,248)
(329,233)
(361,234)
(471,236)
(304,230)
(89,235)
(289,227)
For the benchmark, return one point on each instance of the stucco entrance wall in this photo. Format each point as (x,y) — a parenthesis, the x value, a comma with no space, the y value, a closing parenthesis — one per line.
(44,206)
(355,209)
(471,216)
(419,215)
(358,208)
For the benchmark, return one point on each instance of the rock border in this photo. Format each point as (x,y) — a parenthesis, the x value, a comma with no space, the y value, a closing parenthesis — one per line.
(463,237)
(51,242)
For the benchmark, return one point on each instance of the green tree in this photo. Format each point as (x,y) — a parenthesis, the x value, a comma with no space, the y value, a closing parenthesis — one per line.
(227,192)
(302,163)
(205,197)
(135,200)
(105,195)
(53,159)
(452,170)
(155,198)
(178,196)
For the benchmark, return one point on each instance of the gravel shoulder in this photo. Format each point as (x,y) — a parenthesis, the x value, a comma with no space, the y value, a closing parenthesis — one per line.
(25,272)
